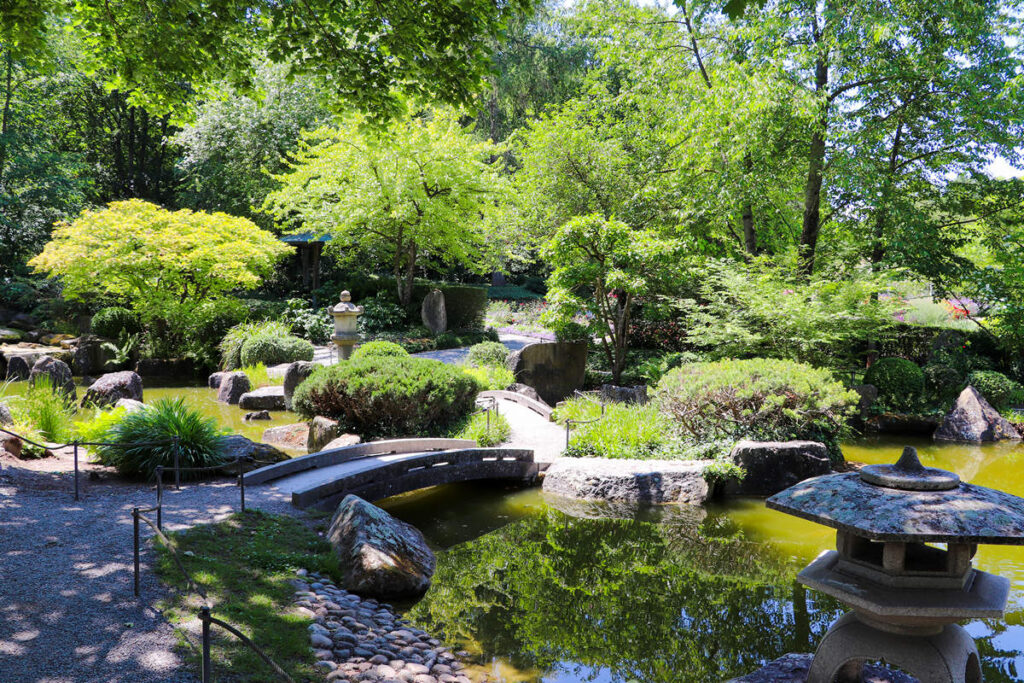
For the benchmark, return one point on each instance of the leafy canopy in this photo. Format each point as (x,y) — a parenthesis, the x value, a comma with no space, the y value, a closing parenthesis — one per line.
(152,257)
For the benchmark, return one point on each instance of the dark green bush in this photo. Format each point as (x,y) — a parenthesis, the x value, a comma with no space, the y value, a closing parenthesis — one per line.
(898,380)
(388,396)
(379,349)
(996,387)
(488,353)
(272,350)
(140,440)
(761,398)
(942,382)
(380,314)
(113,321)
(447,340)
(307,322)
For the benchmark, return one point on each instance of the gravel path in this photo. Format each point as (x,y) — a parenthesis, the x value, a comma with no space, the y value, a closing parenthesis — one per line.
(67,613)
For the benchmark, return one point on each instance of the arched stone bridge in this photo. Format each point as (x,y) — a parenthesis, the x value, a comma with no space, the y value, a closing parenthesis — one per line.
(379,469)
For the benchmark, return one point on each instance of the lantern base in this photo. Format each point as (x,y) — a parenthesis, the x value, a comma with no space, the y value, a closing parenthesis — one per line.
(949,656)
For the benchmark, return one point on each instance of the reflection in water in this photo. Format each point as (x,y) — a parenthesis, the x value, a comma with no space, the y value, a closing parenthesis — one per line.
(547,589)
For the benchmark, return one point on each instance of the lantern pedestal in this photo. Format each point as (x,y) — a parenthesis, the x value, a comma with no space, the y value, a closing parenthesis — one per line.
(346,331)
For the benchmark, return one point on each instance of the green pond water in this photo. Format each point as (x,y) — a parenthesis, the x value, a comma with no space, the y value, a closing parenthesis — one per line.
(539,588)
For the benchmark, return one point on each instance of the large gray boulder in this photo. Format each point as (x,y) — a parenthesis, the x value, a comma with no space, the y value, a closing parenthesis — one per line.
(294,375)
(292,436)
(214,380)
(5,415)
(232,386)
(18,368)
(112,387)
(433,312)
(973,419)
(772,466)
(380,556)
(554,369)
(130,405)
(90,356)
(322,430)
(236,446)
(264,398)
(58,372)
(641,481)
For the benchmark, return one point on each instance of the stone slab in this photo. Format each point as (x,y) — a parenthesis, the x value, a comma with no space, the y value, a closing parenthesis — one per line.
(644,481)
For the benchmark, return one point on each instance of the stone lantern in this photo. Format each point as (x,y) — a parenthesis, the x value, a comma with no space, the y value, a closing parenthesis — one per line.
(346,333)
(906,594)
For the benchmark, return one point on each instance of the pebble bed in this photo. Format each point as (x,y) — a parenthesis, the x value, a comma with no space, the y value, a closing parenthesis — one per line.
(357,639)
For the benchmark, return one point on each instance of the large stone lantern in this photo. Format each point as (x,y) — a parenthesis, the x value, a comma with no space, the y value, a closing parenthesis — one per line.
(905,593)
(346,333)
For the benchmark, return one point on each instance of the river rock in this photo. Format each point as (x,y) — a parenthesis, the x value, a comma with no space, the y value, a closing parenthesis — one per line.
(380,556)
(342,441)
(10,445)
(644,481)
(58,372)
(112,387)
(18,368)
(232,386)
(214,380)
(322,430)
(264,398)
(257,415)
(772,466)
(973,419)
(294,375)
(90,356)
(293,436)
(235,446)
(615,394)
(433,313)
(9,336)
(130,405)
(5,415)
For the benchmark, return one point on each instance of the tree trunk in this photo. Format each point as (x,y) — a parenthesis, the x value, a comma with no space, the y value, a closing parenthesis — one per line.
(815,166)
(5,121)
(749,235)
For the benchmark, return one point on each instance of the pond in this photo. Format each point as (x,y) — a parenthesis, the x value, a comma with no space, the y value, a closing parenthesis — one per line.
(542,589)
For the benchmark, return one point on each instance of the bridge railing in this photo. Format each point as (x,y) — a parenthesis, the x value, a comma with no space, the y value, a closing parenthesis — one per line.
(542,409)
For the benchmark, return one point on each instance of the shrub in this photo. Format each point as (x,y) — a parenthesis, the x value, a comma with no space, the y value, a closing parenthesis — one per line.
(139,440)
(447,340)
(997,388)
(380,314)
(259,377)
(624,431)
(313,324)
(98,428)
(47,412)
(113,321)
(486,434)
(379,349)
(388,396)
(898,380)
(760,398)
(270,350)
(942,382)
(232,343)
(491,378)
(488,354)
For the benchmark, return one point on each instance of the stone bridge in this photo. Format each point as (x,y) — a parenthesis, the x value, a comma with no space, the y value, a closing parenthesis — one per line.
(379,469)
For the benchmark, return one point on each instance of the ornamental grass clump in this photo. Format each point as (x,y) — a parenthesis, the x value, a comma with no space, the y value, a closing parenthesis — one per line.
(48,412)
(623,431)
(142,441)
(761,398)
(388,396)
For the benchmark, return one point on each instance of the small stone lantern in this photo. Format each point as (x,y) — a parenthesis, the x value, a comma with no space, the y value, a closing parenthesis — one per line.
(905,593)
(346,333)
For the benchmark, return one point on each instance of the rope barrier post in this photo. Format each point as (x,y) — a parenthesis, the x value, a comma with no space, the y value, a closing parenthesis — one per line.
(241,480)
(177,463)
(135,524)
(75,446)
(204,616)
(160,497)
(567,425)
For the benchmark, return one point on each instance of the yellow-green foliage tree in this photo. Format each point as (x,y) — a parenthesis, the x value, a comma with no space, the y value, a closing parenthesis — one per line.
(158,261)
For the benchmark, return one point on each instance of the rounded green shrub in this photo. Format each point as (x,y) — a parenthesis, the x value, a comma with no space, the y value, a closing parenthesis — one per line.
(488,354)
(379,349)
(140,440)
(942,381)
(897,380)
(388,396)
(113,321)
(232,343)
(996,387)
(275,350)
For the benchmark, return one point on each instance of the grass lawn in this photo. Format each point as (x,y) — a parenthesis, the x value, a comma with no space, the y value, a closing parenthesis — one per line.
(244,563)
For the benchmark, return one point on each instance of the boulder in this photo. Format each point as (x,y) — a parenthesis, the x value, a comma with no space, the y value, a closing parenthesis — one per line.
(58,372)
(264,398)
(5,415)
(342,441)
(433,313)
(232,386)
(616,394)
(642,481)
(292,436)
(235,446)
(554,369)
(322,430)
(380,556)
(55,338)
(91,356)
(112,387)
(215,379)
(294,375)
(772,466)
(8,336)
(22,321)
(973,419)
(10,444)
(18,368)
(257,415)
(130,405)
(527,391)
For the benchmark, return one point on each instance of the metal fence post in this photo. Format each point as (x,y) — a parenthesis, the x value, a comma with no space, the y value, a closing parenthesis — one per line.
(241,481)
(75,445)
(177,465)
(135,524)
(567,423)
(204,616)
(160,497)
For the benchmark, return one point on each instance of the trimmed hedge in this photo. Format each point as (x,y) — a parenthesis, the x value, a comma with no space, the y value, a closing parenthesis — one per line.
(487,354)
(379,349)
(389,396)
(897,379)
(275,350)
(996,387)
(112,321)
(464,305)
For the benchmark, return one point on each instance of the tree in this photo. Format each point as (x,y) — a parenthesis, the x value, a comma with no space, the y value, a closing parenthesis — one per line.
(613,265)
(157,260)
(419,191)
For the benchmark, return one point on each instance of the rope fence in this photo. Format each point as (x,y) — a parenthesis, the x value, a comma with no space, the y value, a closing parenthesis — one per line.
(570,422)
